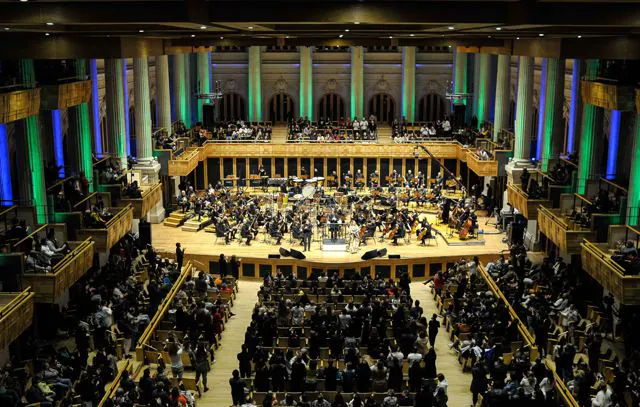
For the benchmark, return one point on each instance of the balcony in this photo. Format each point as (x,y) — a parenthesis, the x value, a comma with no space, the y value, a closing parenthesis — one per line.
(19,104)
(16,315)
(563,232)
(65,95)
(185,163)
(520,200)
(118,226)
(151,195)
(605,264)
(50,287)
(608,94)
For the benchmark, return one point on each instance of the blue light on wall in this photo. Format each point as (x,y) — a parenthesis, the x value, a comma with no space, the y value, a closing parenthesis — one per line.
(125,83)
(6,192)
(573,110)
(58,148)
(541,109)
(95,107)
(614,138)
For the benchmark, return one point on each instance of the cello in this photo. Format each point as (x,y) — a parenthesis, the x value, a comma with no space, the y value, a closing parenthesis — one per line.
(464,231)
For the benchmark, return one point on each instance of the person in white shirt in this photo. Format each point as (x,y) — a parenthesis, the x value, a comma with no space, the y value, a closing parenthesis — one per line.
(528,384)
(423,131)
(547,385)
(442,384)
(446,126)
(432,130)
(394,354)
(603,397)
(414,356)
(345,319)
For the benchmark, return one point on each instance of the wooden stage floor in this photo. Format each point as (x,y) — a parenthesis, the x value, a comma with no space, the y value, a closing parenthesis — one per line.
(164,239)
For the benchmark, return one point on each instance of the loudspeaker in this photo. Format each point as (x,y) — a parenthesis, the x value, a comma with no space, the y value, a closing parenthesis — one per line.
(297,254)
(274,256)
(144,231)
(394,256)
(382,252)
(208,116)
(371,254)
(284,252)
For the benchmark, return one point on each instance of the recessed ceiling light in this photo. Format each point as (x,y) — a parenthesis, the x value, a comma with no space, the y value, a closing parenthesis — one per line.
(340,36)
(412,35)
(540,35)
(47,34)
(451,27)
(579,36)
(7,28)
(286,36)
(193,35)
(23,1)
(356,22)
(488,36)
(517,38)
(499,28)
(250,27)
(222,38)
(390,37)
(140,31)
(346,30)
(203,27)
(49,23)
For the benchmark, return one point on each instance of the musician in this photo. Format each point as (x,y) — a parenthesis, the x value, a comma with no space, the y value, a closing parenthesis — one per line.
(223,229)
(262,172)
(408,179)
(283,188)
(374,180)
(446,210)
(359,179)
(274,231)
(336,180)
(334,226)
(306,235)
(399,233)
(424,232)
(249,231)
(348,179)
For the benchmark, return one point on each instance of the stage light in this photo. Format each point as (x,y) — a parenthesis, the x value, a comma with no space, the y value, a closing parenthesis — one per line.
(346,30)
(140,31)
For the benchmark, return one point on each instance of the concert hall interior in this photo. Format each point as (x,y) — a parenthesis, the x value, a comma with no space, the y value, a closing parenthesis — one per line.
(312,203)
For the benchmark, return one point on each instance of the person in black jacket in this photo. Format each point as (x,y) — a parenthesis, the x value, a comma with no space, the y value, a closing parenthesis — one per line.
(237,388)
(479,381)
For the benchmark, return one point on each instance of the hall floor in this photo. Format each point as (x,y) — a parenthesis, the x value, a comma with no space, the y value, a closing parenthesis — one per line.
(219,393)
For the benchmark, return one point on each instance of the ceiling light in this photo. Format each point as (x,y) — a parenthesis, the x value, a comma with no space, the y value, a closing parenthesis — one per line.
(7,28)
(451,27)
(412,35)
(540,35)
(286,36)
(49,23)
(390,37)
(499,28)
(250,27)
(222,38)
(340,36)
(193,35)
(488,36)
(356,22)
(47,34)
(140,31)
(346,30)
(517,38)
(203,27)
(579,36)
(23,1)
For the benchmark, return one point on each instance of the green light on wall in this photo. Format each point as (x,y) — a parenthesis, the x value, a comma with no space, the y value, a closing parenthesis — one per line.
(37,167)
(633,204)
(306,83)
(483,89)
(550,108)
(585,164)
(85,143)
(255,86)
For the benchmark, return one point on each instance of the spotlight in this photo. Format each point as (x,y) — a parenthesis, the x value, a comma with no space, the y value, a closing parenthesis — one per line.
(340,36)
(203,27)
(7,28)
(390,37)
(517,38)
(49,23)
(47,34)
(250,27)
(193,35)
(452,27)
(499,28)
(346,30)
(579,36)
(222,38)
(412,35)
(540,35)
(140,31)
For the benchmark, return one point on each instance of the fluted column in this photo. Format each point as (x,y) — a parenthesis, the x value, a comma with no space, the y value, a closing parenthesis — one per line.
(125,96)
(116,130)
(408,83)
(204,79)
(6,184)
(589,156)
(503,79)
(306,82)
(80,132)
(552,129)
(524,110)
(163,93)
(144,148)
(484,90)
(460,81)
(541,103)
(476,85)
(357,82)
(575,108)
(614,141)
(255,84)
(633,203)
(95,109)
(179,91)
(188,86)
(31,183)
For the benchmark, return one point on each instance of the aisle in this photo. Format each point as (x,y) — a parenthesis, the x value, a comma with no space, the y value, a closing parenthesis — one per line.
(219,393)
(447,364)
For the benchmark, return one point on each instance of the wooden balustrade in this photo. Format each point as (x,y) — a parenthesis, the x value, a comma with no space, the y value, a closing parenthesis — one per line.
(597,262)
(610,96)
(143,341)
(16,315)
(19,104)
(484,168)
(118,226)
(60,230)
(151,195)
(111,388)
(184,164)
(50,287)
(65,95)
(564,234)
(520,200)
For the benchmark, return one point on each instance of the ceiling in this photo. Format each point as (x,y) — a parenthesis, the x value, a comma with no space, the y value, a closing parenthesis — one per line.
(196,23)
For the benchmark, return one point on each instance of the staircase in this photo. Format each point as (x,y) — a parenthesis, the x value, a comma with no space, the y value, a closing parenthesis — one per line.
(279,134)
(175,219)
(192,225)
(384,135)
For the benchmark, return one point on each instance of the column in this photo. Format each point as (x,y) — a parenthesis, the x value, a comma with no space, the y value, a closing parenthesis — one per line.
(306,82)
(460,83)
(58,142)
(524,108)
(541,102)
(484,90)
(163,93)
(408,83)
(116,144)
(589,156)
(80,132)
(614,139)
(357,82)
(575,108)
(633,203)
(553,125)
(188,86)
(95,109)
(204,77)
(255,85)
(502,103)
(144,148)
(476,84)
(125,94)
(179,91)
(29,154)
(6,186)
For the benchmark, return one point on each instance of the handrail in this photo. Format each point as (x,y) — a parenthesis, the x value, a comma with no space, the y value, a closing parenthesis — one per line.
(86,244)
(30,236)
(595,251)
(553,217)
(15,302)
(59,182)
(118,215)
(162,309)
(571,163)
(561,388)
(583,198)
(519,190)
(9,209)
(84,200)
(115,384)
(613,184)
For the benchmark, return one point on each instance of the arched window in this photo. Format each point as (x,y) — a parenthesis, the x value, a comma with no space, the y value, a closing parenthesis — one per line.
(232,107)
(431,108)
(383,107)
(281,107)
(332,106)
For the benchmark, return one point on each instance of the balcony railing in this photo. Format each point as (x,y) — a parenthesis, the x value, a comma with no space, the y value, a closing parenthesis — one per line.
(151,195)
(118,226)
(16,315)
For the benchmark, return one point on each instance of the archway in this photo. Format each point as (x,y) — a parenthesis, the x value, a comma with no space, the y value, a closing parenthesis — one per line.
(232,107)
(383,107)
(331,106)
(431,107)
(281,108)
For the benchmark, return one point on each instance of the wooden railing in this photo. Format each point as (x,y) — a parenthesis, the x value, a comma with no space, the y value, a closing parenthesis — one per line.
(16,315)
(19,104)
(611,275)
(151,195)
(520,200)
(111,388)
(50,287)
(185,163)
(561,389)
(560,232)
(118,226)
(143,341)
(60,233)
